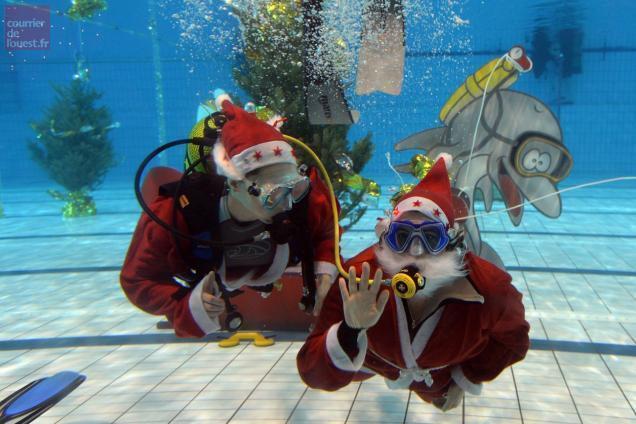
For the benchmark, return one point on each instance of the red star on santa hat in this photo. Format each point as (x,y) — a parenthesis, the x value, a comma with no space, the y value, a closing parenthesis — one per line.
(278,151)
(436,212)
(417,204)
(396,212)
(258,155)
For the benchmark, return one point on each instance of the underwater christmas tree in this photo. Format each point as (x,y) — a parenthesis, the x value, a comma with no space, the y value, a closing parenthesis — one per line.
(270,70)
(72,145)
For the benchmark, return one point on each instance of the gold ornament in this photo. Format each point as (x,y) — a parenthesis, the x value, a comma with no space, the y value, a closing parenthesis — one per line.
(421,165)
(264,113)
(404,188)
(355,182)
(279,10)
(78,203)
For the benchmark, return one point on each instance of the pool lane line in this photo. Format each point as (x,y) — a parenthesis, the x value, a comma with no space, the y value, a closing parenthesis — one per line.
(617,273)
(286,336)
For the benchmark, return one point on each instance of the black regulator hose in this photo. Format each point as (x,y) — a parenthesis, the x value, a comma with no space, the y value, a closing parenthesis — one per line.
(146,208)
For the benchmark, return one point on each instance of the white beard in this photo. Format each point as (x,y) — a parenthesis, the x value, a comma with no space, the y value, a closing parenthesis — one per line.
(444,267)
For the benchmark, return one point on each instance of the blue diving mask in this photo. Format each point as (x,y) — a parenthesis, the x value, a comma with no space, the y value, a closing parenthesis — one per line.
(431,234)
(272,194)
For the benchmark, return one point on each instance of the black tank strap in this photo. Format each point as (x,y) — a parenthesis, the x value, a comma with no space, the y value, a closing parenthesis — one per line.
(198,201)
(299,218)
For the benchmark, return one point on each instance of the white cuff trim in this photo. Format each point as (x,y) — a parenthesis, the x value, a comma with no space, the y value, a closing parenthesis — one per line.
(460,379)
(321,267)
(200,316)
(339,357)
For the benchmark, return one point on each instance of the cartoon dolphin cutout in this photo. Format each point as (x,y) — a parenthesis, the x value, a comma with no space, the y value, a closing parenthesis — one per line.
(518,150)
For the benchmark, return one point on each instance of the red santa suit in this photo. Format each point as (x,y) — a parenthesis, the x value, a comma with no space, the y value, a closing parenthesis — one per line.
(473,327)
(154,258)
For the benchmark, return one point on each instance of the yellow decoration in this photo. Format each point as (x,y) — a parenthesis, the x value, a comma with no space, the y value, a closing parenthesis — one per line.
(373,189)
(264,113)
(78,203)
(280,9)
(257,338)
(276,7)
(404,188)
(421,165)
(356,182)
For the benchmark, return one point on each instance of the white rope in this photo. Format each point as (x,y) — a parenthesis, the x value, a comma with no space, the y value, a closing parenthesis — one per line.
(388,159)
(481,111)
(576,187)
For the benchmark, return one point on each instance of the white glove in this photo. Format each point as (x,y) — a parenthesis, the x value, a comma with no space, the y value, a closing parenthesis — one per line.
(361,303)
(452,399)
(212,302)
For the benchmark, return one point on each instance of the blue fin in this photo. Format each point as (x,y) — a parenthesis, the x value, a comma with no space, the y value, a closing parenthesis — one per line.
(36,397)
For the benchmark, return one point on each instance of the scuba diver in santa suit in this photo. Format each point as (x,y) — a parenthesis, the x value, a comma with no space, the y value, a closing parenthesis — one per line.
(262,214)
(450,320)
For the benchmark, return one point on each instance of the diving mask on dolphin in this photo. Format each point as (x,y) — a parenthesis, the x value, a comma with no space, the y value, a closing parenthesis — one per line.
(539,155)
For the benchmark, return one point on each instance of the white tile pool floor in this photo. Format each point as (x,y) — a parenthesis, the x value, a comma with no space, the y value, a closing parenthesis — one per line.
(59,291)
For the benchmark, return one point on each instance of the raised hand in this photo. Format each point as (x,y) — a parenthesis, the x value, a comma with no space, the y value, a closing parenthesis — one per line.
(361,303)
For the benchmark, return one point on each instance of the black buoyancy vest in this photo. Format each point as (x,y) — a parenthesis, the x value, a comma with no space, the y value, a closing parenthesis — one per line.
(198,199)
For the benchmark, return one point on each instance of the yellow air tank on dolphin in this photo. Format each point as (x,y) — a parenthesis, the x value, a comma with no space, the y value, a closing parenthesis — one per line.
(497,74)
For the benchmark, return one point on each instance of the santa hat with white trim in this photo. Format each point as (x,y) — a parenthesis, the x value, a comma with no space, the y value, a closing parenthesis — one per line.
(431,196)
(247,143)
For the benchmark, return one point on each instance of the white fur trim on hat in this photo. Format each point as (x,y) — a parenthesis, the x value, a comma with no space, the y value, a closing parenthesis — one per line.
(263,154)
(422,205)
(224,165)
(218,101)
(448,159)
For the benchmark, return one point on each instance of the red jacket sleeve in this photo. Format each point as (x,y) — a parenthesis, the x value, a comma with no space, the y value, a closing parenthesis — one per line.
(321,226)
(152,260)
(322,362)
(509,340)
